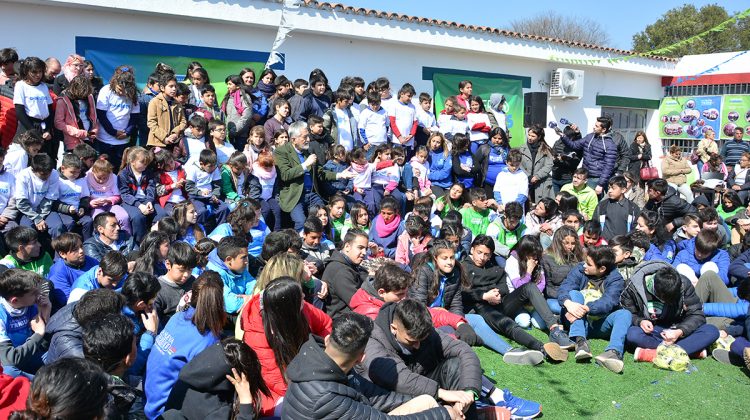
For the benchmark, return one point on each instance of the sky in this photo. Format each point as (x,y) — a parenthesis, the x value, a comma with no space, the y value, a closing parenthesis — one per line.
(621,19)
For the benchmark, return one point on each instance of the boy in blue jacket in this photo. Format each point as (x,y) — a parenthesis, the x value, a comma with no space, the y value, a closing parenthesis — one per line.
(229,259)
(71,264)
(110,272)
(24,312)
(702,255)
(140,290)
(590,298)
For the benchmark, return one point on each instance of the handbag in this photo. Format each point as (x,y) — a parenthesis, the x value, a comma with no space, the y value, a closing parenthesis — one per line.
(694,157)
(648,172)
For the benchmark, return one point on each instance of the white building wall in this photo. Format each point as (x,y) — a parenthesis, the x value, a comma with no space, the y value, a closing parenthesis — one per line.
(350,45)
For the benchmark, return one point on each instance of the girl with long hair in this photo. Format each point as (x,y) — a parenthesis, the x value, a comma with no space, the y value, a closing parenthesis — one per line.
(187,218)
(105,196)
(117,104)
(563,255)
(237,106)
(153,253)
(479,123)
(491,159)
(451,200)
(239,222)
(439,283)
(537,160)
(275,323)
(543,220)
(640,153)
(265,170)
(464,167)
(440,176)
(662,245)
(186,334)
(75,114)
(731,206)
(358,218)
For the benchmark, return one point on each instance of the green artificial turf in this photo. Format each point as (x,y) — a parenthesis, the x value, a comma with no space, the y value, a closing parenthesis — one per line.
(642,391)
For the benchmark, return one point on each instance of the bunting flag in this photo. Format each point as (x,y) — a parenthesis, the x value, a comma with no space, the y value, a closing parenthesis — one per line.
(660,51)
(289,9)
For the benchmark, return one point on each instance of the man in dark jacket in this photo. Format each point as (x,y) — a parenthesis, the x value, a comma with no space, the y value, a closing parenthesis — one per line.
(599,153)
(623,153)
(407,355)
(666,201)
(343,272)
(107,237)
(321,384)
(64,330)
(665,309)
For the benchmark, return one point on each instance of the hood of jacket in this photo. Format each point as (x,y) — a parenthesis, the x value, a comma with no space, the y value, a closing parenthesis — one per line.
(207,371)
(216,264)
(638,277)
(64,322)
(313,364)
(384,320)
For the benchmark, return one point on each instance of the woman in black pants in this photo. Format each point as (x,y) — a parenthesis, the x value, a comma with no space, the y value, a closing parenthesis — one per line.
(489,296)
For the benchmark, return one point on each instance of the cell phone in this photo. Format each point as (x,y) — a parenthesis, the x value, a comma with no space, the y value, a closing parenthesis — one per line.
(44,288)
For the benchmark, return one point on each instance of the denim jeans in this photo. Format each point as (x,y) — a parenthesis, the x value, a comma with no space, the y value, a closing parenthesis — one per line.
(491,339)
(554,306)
(299,212)
(614,326)
(694,343)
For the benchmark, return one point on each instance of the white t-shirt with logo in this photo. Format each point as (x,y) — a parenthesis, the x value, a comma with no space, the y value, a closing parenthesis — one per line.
(176,196)
(34,189)
(345,129)
(71,192)
(35,99)
(202,179)
(7,189)
(224,152)
(119,110)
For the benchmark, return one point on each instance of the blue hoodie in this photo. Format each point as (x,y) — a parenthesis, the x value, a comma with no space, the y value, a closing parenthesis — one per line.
(88,282)
(258,234)
(441,169)
(666,254)
(234,284)
(63,276)
(612,286)
(687,256)
(175,346)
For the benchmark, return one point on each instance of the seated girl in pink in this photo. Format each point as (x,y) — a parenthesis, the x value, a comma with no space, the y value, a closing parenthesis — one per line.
(105,195)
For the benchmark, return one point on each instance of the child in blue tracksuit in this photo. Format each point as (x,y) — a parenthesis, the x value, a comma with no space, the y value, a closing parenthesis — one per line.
(71,264)
(229,259)
(701,255)
(441,165)
(110,273)
(139,289)
(185,335)
(21,331)
(590,301)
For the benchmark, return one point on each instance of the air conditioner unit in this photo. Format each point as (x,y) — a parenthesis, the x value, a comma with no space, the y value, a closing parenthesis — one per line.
(566,84)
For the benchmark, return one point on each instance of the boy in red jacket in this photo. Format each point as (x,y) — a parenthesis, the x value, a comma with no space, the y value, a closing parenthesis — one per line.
(391,284)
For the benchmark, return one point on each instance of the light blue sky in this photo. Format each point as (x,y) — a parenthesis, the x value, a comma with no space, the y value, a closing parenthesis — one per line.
(622,19)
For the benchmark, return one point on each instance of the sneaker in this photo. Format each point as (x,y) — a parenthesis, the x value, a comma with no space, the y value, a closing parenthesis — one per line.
(559,336)
(644,355)
(702,355)
(493,412)
(523,357)
(583,352)
(611,360)
(726,357)
(519,408)
(555,352)
(746,356)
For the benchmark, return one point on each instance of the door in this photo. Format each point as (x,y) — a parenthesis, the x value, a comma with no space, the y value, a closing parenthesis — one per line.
(627,121)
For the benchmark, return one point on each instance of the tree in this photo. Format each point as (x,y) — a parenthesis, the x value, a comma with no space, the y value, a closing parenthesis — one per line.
(554,25)
(684,22)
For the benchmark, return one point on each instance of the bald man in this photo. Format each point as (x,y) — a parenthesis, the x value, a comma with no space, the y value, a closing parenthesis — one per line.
(53,69)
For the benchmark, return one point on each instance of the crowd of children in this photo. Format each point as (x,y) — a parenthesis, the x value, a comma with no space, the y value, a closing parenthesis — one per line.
(298,252)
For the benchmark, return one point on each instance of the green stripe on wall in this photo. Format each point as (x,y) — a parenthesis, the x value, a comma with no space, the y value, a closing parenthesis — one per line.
(624,102)
(428,72)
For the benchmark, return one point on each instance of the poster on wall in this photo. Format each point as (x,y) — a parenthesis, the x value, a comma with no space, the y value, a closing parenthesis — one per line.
(689,117)
(446,85)
(106,54)
(735,112)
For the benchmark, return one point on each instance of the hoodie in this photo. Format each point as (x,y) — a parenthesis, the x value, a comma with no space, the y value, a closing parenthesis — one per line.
(611,287)
(202,390)
(319,389)
(175,346)
(343,278)
(388,365)
(719,257)
(234,283)
(62,275)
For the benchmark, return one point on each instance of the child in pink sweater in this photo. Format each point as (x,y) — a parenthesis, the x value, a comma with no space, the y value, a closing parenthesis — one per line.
(413,241)
(105,196)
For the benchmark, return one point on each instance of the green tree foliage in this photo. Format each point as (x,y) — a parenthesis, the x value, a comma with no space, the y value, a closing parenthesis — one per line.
(684,22)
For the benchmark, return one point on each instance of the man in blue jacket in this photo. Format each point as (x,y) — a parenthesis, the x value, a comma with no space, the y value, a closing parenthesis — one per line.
(599,153)
(590,298)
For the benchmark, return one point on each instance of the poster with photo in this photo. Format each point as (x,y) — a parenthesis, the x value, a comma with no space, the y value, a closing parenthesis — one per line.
(687,117)
(735,112)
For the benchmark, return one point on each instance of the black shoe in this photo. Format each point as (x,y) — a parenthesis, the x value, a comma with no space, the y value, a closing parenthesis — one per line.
(583,351)
(611,360)
(559,336)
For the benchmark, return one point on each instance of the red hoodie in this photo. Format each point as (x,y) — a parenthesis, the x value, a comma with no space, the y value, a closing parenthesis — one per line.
(255,337)
(365,303)
(13,394)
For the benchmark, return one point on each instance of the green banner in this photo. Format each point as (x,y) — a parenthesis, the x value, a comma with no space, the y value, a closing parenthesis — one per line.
(689,117)
(446,85)
(735,112)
